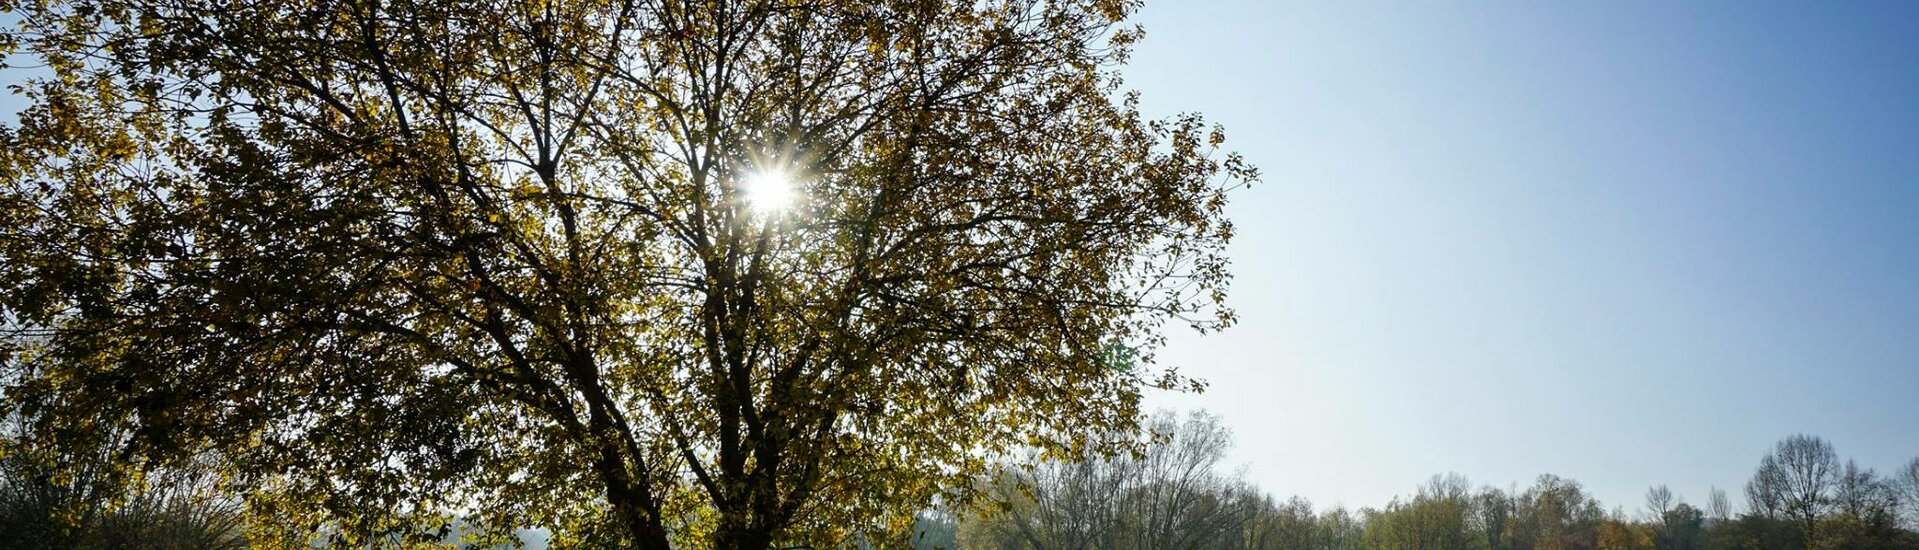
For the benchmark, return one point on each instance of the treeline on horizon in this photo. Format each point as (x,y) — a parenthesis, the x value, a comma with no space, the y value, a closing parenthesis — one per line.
(1171,493)
(1176,495)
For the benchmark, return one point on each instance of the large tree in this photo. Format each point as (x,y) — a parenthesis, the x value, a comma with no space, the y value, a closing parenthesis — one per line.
(399,261)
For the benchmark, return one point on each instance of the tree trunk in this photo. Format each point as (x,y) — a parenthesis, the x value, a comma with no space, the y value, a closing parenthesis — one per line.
(747,538)
(630,505)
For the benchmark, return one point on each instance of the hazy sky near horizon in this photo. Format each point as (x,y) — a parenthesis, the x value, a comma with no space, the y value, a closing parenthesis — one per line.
(1627,243)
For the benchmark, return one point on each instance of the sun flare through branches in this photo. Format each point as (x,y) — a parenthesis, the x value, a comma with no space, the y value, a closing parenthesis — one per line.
(769,192)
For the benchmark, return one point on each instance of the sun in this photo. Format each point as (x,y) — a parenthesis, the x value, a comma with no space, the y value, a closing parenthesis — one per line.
(769,192)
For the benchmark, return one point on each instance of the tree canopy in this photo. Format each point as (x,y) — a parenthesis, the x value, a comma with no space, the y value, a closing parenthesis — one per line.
(400,262)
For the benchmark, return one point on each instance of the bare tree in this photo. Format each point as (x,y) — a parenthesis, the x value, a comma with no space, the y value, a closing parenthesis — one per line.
(1718,505)
(1809,469)
(1765,492)
(1862,495)
(1172,495)
(76,492)
(1060,505)
(1906,482)
(1658,501)
(1182,498)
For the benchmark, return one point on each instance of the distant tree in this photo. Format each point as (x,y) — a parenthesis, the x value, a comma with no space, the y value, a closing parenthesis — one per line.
(1291,524)
(1068,504)
(1864,515)
(1179,495)
(733,274)
(1439,515)
(73,493)
(1681,528)
(1620,533)
(1718,507)
(1171,495)
(934,530)
(1658,501)
(1756,532)
(1766,490)
(1809,471)
(1556,514)
(1906,483)
(1340,529)
(1494,517)
(1863,496)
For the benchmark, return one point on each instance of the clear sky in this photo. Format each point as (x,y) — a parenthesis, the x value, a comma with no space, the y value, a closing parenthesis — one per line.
(1623,242)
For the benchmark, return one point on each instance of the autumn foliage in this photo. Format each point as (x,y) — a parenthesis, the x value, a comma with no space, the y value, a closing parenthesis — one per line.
(399,263)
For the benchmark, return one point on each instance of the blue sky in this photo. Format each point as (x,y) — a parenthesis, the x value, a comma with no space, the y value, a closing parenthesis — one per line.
(1628,243)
